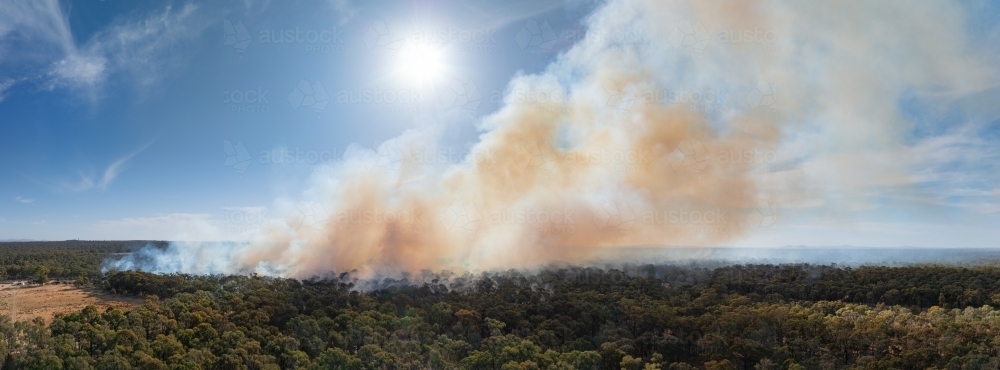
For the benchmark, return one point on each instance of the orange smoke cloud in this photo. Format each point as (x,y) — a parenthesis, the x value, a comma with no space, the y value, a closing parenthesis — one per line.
(550,181)
(620,154)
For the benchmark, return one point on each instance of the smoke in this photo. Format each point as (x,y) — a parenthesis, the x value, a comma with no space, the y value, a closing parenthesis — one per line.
(669,123)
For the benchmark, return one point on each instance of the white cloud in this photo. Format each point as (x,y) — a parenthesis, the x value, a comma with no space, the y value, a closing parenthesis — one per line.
(174,226)
(144,49)
(117,167)
(344,10)
(38,32)
(36,21)
(79,71)
(87,182)
(959,169)
(24,200)
(4,86)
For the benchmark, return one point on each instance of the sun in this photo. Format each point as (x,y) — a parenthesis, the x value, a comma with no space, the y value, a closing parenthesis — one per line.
(419,63)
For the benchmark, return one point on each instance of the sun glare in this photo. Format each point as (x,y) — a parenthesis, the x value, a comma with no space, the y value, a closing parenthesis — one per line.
(419,63)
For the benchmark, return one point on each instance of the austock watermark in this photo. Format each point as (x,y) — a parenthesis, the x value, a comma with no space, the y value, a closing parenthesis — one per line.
(542,96)
(690,155)
(236,157)
(239,158)
(462,216)
(536,35)
(766,160)
(384,35)
(247,220)
(404,101)
(328,40)
(461,95)
(392,153)
(694,155)
(308,216)
(699,100)
(307,94)
(627,40)
(762,216)
(561,221)
(614,215)
(314,40)
(625,161)
(711,221)
(476,41)
(392,220)
(237,36)
(247,101)
(694,36)
(296,157)
(761,96)
(691,35)
(766,37)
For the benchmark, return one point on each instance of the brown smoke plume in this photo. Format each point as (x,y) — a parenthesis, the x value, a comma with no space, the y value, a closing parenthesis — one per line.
(524,198)
(616,154)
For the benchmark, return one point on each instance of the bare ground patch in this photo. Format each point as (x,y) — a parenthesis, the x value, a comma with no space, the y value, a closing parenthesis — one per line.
(27,302)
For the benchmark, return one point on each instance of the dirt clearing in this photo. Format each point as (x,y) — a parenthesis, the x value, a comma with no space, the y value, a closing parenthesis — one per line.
(29,301)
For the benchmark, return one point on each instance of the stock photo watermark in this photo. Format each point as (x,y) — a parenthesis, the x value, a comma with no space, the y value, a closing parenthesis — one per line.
(476,41)
(309,95)
(392,220)
(247,220)
(695,37)
(247,101)
(327,40)
(240,159)
(627,161)
(712,221)
(404,101)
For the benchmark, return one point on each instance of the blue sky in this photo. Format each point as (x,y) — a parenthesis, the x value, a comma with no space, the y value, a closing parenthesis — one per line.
(145,138)
(176,119)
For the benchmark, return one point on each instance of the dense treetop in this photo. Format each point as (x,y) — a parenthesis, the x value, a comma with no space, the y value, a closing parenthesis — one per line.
(615,317)
(61,259)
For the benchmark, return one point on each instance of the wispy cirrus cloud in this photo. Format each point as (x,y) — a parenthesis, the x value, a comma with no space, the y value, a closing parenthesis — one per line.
(117,167)
(90,181)
(344,10)
(139,48)
(24,200)
(4,86)
(40,23)
(86,183)
(144,49)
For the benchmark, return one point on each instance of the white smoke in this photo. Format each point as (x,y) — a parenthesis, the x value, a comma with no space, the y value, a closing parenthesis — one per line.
(801,99)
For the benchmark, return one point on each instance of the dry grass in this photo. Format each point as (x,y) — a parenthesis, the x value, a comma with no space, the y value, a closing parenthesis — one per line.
(45,301)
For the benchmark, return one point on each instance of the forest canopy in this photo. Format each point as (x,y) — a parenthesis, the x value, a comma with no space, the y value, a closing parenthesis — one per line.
(615,317)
